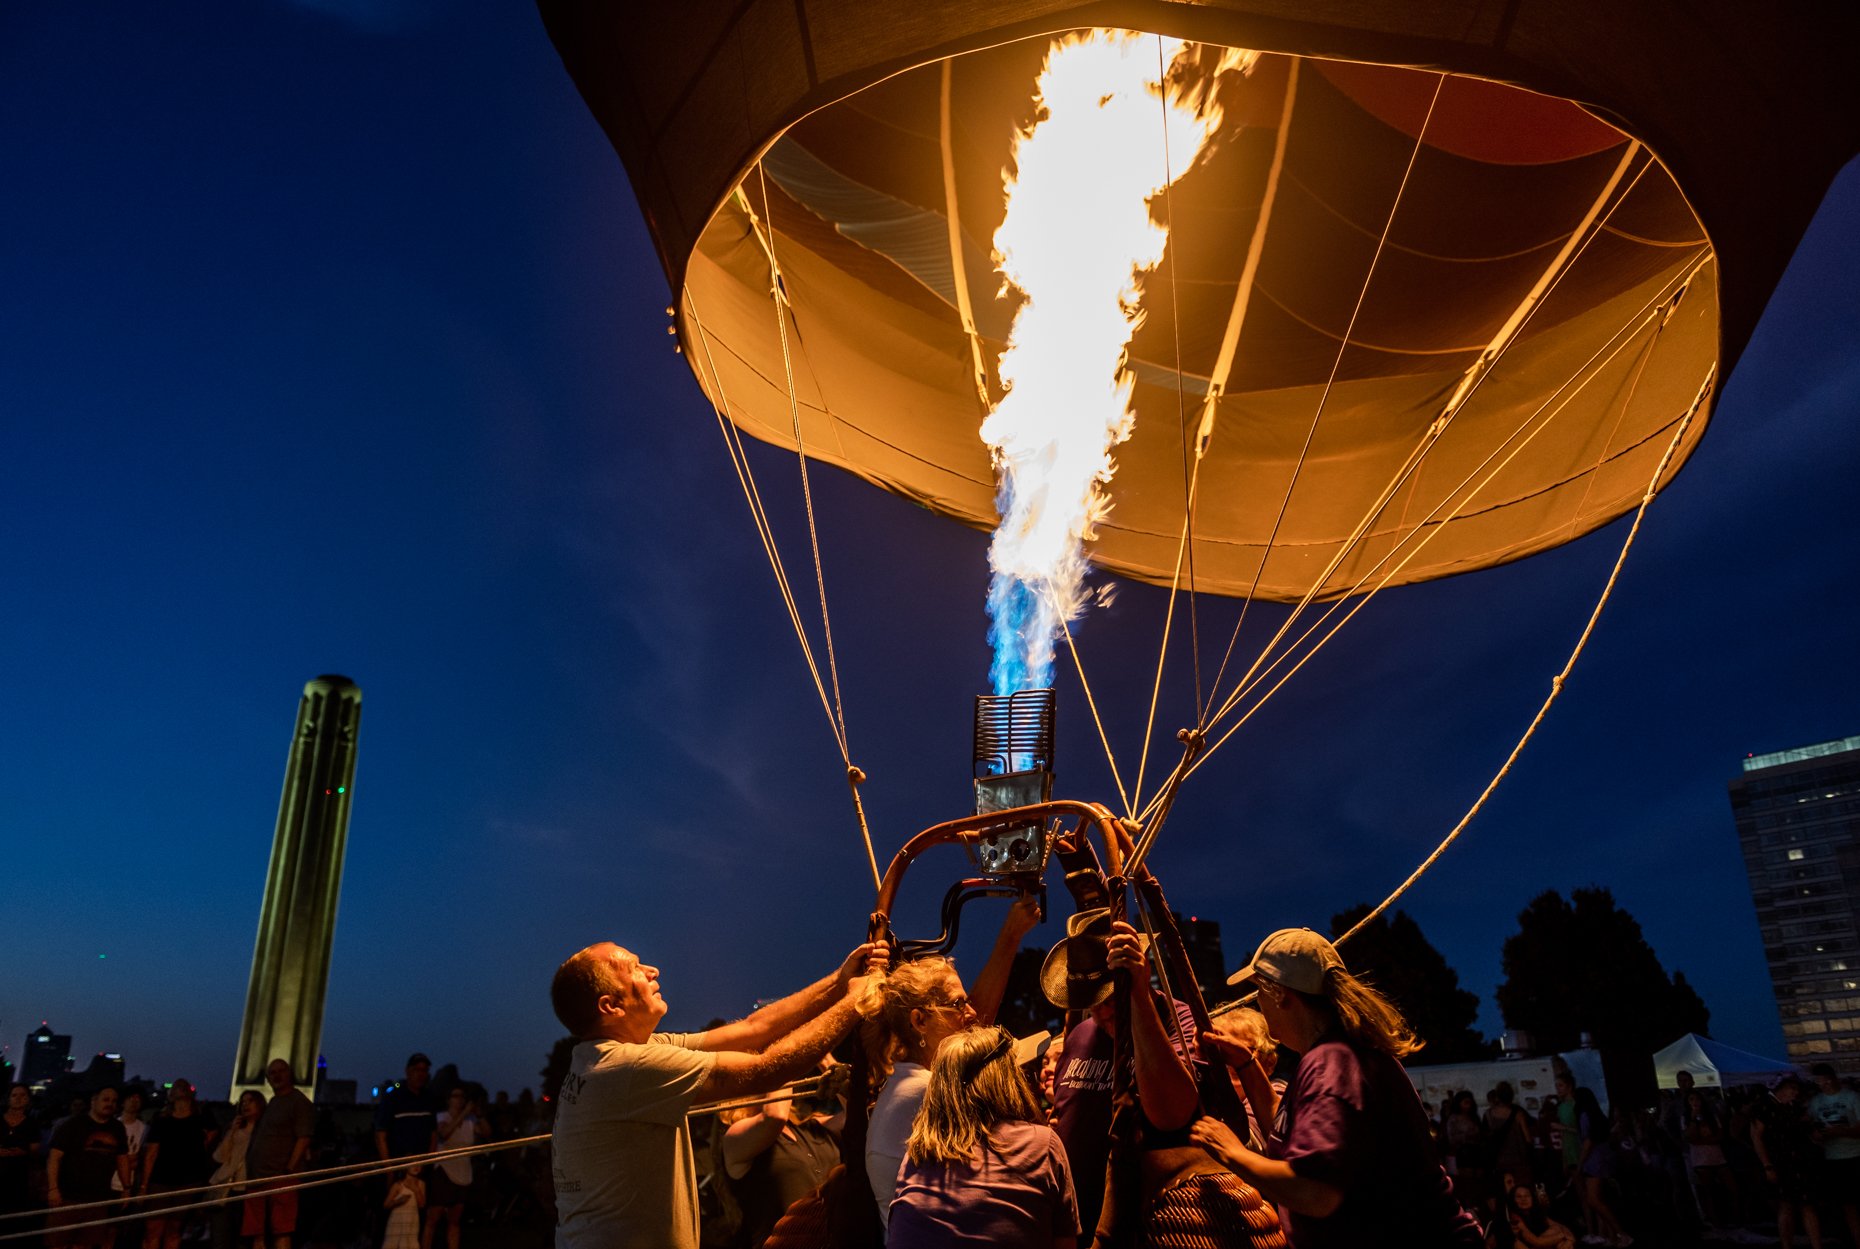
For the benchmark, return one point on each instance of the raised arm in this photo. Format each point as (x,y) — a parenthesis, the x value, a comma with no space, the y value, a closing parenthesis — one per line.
(747,1139)
(1242,1054)
(764,1027)
(1164,1085)
(992,981)
(740,1074)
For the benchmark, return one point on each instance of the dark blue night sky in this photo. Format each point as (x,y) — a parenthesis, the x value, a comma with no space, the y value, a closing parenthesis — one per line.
(333,342)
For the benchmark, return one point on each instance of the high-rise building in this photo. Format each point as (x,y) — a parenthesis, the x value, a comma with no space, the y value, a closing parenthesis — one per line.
(48,1056)
(297,925)
(1798,818)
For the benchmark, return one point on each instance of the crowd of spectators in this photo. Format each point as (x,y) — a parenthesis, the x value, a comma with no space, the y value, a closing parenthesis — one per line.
(973,1139)
(1750,1165)
(170,1169)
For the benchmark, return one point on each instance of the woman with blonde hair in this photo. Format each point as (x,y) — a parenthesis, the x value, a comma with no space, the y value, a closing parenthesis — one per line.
(1352,1161)
(921,1004)
(982,1166)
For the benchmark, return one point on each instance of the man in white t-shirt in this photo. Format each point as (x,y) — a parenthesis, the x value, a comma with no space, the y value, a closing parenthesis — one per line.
(624,1171)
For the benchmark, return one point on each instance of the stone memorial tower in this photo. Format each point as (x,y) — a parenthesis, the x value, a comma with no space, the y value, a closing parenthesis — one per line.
(290,960)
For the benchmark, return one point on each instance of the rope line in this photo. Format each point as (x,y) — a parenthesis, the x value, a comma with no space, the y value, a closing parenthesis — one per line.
(1110,756)
(323,1176)
(1636,322)
(778,293)
(1336,364)
(745,476)
(1186,543)
(343,1174)
(1430,439)
(1666,300)
(1561,679)
(1557,683)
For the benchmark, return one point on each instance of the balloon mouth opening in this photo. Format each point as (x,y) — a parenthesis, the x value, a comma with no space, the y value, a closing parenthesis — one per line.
(1439,205)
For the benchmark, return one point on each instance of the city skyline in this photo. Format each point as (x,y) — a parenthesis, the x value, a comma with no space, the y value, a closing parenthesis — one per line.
(368,308)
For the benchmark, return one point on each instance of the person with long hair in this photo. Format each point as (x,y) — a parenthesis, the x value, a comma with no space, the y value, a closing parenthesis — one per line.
(175,1156)
(1508,1131)
(1466,1150)
(229,1157)
(920,1006)
(1351,1161)
(773,1155)
(1594,1150)
(1531,1224)
(1713,1180)
(982,1166)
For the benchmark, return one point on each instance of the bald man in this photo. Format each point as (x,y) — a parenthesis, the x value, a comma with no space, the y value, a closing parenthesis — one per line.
(624,1172)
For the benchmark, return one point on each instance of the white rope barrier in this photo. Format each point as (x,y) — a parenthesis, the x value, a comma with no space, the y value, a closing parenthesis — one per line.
(254,1189)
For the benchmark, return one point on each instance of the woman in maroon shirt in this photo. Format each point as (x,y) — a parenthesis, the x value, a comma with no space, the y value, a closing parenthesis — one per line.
(1350,1161)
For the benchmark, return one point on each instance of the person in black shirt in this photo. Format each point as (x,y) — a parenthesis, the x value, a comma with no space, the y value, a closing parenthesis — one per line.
(1784,1143)
(407,1116)
(175,1155)
(775,1155)
(19,1144)
(87,1151)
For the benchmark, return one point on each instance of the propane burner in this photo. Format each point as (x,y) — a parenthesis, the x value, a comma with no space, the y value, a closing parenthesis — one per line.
(1013,767)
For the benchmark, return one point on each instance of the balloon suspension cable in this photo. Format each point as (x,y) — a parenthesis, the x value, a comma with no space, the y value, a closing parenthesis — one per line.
(1193,740)
(1161,963)
(1091,703)
(855,777)
(1655,312)
(1181,414)
(1230,347)
(1557,683)
(763,229)
(784,309)
(1585,233)
(745,476)
(1336,364)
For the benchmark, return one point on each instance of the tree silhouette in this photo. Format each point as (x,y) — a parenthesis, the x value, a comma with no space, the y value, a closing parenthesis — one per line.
(1392,954)
(1582,966)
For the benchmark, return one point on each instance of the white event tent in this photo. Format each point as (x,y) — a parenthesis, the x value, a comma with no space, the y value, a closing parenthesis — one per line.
(1714,1064)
